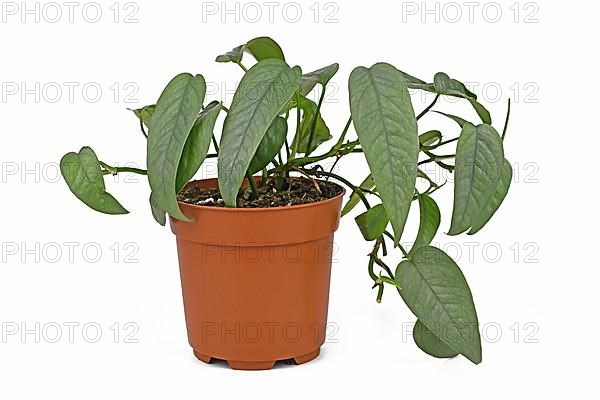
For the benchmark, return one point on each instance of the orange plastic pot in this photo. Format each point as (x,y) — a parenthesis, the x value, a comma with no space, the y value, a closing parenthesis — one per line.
(255,282)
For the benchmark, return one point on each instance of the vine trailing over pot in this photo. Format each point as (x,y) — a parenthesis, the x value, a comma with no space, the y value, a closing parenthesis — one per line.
(180,131)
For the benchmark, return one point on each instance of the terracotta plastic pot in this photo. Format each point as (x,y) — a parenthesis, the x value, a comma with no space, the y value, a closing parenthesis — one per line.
(255,282)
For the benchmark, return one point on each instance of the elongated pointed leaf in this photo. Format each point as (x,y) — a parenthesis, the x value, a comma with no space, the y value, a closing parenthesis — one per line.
(367,184)
(83,175)
(270,145)
(372,223)
(435,290)
(309,110)
(197,144)
(386,125)
(321,76)
(175,115)
(497,197)
(460,121)
(430,222)
(431,344)
(262,93)
(479,160)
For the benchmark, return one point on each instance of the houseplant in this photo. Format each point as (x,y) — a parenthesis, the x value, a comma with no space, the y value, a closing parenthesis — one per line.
(273,195)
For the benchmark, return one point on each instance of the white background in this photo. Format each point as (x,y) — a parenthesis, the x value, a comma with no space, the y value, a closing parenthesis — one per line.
(532,270)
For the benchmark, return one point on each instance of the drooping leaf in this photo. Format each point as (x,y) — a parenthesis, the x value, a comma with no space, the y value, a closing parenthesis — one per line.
(197,144)
(235,55)
(444,85)
(496,199)
(83,174)
(430,343)
(270,145)
(386,125)
(367,184)
(145,114)
(435,290)
(175,115)
(430,221)
(372,223)
(321,76)
(261,94)
(158,213)
(309,110)
(430,138)
(479,160)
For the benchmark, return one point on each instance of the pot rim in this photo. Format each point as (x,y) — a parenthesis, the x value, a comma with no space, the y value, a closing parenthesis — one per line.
(261,209)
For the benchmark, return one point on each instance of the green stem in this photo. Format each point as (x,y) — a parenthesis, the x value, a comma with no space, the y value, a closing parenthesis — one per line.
(313,125)
(252,185)
(296,140)
(108,169)
(242,66)
(215,144)
(506,121)
(426,110)
(356,189)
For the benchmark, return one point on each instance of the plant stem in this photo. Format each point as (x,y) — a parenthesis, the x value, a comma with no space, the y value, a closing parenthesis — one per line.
(296,141)
(506,121)
(108,169)
(252,185)
(428,107)
(215,144)
(242,66)
(356,189)
(313,124)
(143,130)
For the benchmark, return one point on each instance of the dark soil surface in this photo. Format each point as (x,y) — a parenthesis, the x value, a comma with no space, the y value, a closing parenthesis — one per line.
(274,192)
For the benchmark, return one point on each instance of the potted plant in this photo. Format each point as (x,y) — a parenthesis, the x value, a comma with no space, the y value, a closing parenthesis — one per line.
(255,244)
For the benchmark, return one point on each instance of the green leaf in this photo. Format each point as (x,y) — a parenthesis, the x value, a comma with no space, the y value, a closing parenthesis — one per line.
(234,55)
(461,122)
(435,290)
(431,344)
(430,138)
(309,109)
(429,224)
(261,94)
(386,125)
(367,184)
(270,145)
(175,115)
(83,175)
(483,113)
(495,199)
(145,114)
(444,85)
(263,48)
(479,160)
(372,223)
(158,213)
(321,76)
(197,144)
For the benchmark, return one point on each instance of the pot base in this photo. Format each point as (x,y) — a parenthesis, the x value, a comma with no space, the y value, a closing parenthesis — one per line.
(258,365)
